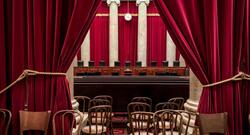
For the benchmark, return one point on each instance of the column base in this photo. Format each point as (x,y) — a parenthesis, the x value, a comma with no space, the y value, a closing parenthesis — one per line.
(75,104)
(191,106)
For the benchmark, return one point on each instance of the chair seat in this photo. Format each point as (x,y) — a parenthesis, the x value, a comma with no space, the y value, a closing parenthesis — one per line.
(146,117)
(141,133)
(98,120)
(166,125)
(144,125)
(169,133)
(100,129)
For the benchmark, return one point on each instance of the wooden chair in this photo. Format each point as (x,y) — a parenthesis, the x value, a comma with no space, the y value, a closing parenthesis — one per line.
(106,97)
(179,100)
(83,103)
(138,106)
(5,118)
(142,123)
(97,102)
(62,116)
(189,124)
(143,100)
(168,122)
(213,123)
(166,105)
(99,119)
(34,121)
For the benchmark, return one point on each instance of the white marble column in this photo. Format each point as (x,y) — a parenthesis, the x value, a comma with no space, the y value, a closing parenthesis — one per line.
(182,62)
(191,105)
(85,50)
(113,31)
(195,89)
(171,51)
(142,31)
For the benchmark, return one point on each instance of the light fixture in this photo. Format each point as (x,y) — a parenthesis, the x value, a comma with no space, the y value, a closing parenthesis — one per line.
(128,16)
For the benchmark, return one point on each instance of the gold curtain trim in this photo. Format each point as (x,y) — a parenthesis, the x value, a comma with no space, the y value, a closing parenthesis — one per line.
(26,73)
(240,76)
(133,14)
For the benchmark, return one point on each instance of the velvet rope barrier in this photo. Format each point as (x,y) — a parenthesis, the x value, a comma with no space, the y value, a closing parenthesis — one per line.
(28,72)
(240,76)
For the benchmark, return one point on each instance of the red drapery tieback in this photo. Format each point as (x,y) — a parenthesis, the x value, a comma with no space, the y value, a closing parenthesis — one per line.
(240,76)
(28,72)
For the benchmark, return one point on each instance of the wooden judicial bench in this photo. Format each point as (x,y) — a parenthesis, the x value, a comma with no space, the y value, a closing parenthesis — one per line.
(160,84)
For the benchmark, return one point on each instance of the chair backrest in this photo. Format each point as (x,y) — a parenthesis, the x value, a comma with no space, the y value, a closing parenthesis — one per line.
(99,117)
(34,121)
(5,118)
(138,107)
(97,102)
(66,118)
(213,123)
(106,97)
(189,124)
(143,100)
(179,100)
(167,122)
(141,123)
(166,105)
(83,102)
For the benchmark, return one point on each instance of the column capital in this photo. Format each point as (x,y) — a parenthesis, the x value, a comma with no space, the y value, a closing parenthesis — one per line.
(115,1)
(138,2)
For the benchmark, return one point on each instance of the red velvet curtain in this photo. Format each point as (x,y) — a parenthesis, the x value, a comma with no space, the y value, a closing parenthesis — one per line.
(213,37)
(156,36)
(128,31)
(99,36)
(43,36)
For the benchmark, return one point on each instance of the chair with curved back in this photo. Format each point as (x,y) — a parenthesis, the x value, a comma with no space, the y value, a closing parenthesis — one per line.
(142,123)
(105,97)
(83,103)
(34,121)
(5,118)
(68,116)
(179,100)
(97,102)
(213,123)
(168,122)
(189,123)
(166,105)
(138,106)
(143,100)
(99,119)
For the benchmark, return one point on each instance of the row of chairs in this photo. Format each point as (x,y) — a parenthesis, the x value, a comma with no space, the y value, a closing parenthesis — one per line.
(176,103)
(171,122)
(39,121)
(161,122)
(99,111)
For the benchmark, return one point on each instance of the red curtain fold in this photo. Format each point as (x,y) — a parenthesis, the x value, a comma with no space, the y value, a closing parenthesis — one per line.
(79,53)
(43,36)
(156,37)
(99,36)
(211,36)
(128,31)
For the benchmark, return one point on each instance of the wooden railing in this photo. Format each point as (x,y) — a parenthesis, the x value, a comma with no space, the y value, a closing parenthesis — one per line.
(180,71)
